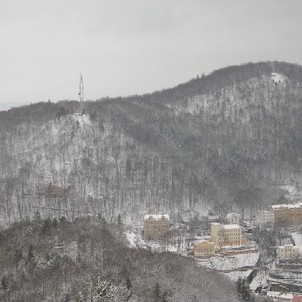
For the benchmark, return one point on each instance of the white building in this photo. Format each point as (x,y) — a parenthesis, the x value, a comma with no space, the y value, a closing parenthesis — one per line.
(265,217)
(233,218)
(288,251)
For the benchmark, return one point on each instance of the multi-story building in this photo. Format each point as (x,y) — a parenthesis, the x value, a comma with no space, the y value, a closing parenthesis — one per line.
(226,234)
(265,218)
(156,226)
(287,251)
(232,234)
(217,234)
(203,248)
(233,218)
(288,214)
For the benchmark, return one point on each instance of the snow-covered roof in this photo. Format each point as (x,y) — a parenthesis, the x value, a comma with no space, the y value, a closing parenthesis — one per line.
(287,245)
(287,206)
(231,226)
(280,295)
(202,241)
(157,216)
(267,211)
(232,214)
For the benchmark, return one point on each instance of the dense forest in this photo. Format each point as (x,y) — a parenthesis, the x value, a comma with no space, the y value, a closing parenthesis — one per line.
(221,142)
(59,260)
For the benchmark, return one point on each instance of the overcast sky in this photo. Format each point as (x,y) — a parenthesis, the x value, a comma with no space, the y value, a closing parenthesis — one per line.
(125,47)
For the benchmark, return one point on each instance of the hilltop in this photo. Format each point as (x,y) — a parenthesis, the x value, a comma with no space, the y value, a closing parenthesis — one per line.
(226,141)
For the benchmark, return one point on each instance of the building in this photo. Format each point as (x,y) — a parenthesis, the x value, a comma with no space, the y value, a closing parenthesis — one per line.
(226,234)
(203,248)
(53,191)
(265,218)
(156,226)
(232,234)
(217,234)
(287,251)
(288,214)
(233,218)
(296,298)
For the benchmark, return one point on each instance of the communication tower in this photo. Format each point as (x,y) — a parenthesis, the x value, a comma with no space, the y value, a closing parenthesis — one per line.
(81,94)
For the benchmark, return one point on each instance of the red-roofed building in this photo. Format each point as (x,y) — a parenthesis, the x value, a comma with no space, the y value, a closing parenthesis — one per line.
(296,298)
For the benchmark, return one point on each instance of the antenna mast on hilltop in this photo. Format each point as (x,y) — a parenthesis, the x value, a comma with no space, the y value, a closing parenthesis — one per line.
(81,94)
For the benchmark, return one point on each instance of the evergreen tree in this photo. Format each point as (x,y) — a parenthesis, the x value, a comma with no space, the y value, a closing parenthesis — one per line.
(156,293)
(18,256)
(55,223)
(4,283)
(46,228)
(37,216)
(119,220)
(63,220)
(165,297)
(243,290)
(61,112)
(67,298)
(128,282)
(30,255)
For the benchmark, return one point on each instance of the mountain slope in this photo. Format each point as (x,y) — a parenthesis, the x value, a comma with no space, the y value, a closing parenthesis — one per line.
(222,142)
(54,260)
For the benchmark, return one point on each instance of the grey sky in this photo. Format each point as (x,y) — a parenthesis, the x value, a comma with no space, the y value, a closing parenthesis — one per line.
(127,47)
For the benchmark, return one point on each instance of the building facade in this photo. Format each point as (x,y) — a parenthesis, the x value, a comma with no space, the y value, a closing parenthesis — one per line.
(226,234)
(265,218)
(156,226)
(233,218)
(288,214)
(217,234)
(287,251)
(203,248)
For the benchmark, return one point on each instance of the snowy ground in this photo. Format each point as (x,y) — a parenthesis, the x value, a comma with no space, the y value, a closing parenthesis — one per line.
(236,274)
(278,78)
(261,277)
(277,296)
(232,266)
(135,240)
(230,263)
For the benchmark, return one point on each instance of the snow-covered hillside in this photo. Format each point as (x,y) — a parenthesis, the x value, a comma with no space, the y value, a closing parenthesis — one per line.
(107,172)
(224,142)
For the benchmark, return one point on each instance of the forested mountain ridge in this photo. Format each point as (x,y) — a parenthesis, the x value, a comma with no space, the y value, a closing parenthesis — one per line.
(220,142)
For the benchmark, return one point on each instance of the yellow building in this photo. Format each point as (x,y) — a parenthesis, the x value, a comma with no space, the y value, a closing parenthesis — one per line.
(156,226)
(217,234)
(203,248)
(226,234)
(287,251)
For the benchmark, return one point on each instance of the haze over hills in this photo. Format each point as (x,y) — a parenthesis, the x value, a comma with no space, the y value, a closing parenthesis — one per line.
(221,142)
(9,105)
